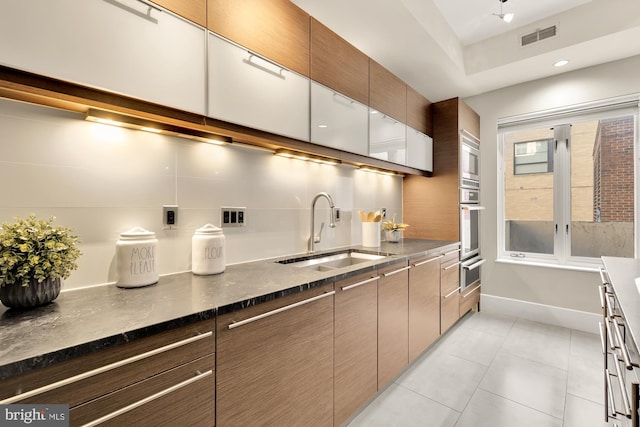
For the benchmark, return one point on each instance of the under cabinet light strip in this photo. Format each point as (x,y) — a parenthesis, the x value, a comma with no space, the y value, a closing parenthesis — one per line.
(291,154)
(103,369)
(130,122)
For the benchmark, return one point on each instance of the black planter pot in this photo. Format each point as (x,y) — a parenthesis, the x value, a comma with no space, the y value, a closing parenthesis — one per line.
(34,295)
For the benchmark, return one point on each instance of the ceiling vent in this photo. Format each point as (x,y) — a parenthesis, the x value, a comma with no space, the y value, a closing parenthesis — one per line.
(538,35)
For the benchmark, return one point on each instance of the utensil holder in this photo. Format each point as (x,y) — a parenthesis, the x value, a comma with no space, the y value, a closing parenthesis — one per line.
(371,234)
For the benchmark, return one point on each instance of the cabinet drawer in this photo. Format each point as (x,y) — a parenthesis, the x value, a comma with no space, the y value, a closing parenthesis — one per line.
(183,395)
(469,298)
(449,255)
(84,378)
(449,310)
(449,276)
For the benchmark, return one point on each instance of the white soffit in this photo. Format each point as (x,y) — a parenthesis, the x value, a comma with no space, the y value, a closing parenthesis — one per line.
(415,39)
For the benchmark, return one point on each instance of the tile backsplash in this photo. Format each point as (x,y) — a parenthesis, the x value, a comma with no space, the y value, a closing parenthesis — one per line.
(102,180)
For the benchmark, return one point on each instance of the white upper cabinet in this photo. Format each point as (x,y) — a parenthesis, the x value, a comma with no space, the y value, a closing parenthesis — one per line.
(125,46)
(419,150)
(249,90)
(387,138)
(338,121)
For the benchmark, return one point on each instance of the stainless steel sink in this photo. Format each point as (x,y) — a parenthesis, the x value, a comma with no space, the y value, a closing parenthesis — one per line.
(332,261)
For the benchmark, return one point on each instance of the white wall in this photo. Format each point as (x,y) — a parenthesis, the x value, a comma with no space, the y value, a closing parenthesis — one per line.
(561,288)
(103,180)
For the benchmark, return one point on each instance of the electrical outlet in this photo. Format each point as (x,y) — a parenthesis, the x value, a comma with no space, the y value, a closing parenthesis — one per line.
(233,217)
(336,213)
(169,216)
(384,212)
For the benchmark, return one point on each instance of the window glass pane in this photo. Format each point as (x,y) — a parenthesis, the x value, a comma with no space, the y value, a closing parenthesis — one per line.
(528,198)
(602,188)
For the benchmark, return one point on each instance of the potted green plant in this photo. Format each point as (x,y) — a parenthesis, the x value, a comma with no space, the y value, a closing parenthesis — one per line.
(393,231)
(34,256)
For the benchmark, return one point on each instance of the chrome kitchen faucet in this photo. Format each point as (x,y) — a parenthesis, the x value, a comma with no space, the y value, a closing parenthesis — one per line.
(316,239)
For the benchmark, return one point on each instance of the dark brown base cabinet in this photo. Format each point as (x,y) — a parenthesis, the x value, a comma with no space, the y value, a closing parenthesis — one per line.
(162,379)
(276,368)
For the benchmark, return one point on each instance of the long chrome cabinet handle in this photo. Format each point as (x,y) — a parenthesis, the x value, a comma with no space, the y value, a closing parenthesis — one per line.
(102,369)
(610,401)
(603,272)
(148,399)
(451,252)
(612,345)
(601,295)
(252,55)
(279,310)
(472,291)
(623,392)
(364,282)
(623,347)
(427,261)
(451,293)
(400,270)
(142,15)
(602,340)
(474,265)
(451,266)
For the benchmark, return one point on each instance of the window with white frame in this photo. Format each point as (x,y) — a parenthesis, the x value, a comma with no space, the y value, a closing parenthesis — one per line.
(567,184)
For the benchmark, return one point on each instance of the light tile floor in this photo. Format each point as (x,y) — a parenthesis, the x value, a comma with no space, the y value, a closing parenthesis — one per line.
(497,371)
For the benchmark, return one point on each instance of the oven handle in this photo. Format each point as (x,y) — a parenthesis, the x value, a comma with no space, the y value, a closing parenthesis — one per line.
(472,208)
(474,265)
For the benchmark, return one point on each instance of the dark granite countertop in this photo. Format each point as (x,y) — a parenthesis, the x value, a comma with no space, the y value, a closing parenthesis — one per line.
(622,274)
(85,320)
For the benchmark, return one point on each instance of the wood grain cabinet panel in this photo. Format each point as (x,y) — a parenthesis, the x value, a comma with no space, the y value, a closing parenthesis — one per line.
(184,395)
(337,64)
(449,294)
(421,193)
(419,112)
(469,298)
(167,365)
(393,322)
(275,29)
(387,93)
(356,344)
(193,10)
(277,369)
(424,304)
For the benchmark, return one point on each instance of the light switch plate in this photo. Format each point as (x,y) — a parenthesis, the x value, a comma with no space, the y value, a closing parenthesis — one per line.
(169,217)
(233,216)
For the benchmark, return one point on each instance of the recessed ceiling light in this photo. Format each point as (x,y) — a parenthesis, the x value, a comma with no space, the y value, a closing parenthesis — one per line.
(561,63)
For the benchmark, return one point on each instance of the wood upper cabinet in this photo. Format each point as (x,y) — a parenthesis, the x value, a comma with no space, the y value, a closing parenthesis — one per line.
(193,10)
(170,375)
(387,93)
(422,193)
(276,367)
(275,29)
(393,322)
(424,304)
(355,344)
(337,64)
(419,112)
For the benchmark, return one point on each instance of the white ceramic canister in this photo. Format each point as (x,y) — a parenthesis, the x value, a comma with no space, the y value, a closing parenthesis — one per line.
(136,261)
(207,250)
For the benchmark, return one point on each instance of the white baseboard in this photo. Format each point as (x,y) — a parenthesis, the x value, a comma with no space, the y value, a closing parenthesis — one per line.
(565,317)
